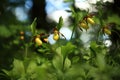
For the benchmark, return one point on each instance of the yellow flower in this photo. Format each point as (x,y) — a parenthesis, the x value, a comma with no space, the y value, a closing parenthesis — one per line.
(90,20)
(56,34)
(38,41)
(83,25)
(56,37)
(107,31)
(21,33)
(22,38)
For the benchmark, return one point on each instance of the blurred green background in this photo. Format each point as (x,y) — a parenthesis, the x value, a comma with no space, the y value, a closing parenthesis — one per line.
(12,23)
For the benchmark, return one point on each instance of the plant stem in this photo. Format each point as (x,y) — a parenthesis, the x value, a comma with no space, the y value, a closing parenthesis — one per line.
(72,32)
(26,50)
(63,64)
(75,24)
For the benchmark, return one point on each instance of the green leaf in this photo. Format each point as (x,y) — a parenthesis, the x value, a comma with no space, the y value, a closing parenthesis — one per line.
(5,32)
(60,24)
(95,48)
(76,71)
(33,26)
(67,49)
(73,11)
(6,72)
(101,61)
(93,44)
(75,59)
(86,57)
(58,62)
(114,18)
(68,0)
(18,70)
(58,50)
(58,59)
(31,67)
(67,64)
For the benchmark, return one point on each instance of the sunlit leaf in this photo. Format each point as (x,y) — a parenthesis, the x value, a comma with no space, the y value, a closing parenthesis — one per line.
(76,71)
(60,24)
(67,64)
(33,26)
(58,60)
(93,44)
(67,49)
(17,71)
(31,67)
(101,61)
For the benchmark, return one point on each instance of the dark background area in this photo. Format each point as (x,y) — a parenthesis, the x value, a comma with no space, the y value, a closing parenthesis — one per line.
(37,10)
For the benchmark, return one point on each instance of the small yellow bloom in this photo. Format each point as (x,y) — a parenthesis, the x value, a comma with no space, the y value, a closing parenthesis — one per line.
(107,31)
(83,25)
(38,41)
(56,34)
(21,33)
(90,20)
(22,38)
(56,37)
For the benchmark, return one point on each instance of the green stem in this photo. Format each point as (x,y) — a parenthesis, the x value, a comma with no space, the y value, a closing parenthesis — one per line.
(75,24)
(63,64)
(72,32)
(26,50)
(98,35)
(101,22)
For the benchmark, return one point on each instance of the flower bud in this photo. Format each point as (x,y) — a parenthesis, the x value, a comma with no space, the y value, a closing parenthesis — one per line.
(38,41)
(90,20)
(22,38)
(56,37)
(21,33)
(107,31)
(84,25)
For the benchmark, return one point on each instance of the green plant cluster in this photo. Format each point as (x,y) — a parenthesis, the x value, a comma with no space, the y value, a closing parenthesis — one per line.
(64,60)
